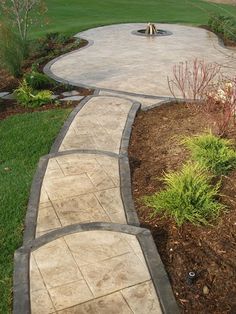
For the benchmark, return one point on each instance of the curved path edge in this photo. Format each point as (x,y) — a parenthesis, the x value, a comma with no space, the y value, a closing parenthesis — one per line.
(158,274)
(21,288)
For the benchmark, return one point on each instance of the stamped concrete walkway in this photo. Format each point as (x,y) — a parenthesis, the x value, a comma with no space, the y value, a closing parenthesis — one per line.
(93,271)
(84,255)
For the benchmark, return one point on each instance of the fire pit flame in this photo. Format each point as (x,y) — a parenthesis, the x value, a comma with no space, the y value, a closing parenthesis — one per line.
(151,29)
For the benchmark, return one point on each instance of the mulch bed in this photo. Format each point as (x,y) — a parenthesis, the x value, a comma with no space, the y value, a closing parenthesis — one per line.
(8,83)
(209,251)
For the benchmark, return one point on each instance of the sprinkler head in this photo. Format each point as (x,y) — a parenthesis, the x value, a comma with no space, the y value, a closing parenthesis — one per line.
(191,277)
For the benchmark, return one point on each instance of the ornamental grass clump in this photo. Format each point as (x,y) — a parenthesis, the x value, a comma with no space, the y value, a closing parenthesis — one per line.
(188,196)
(212,152)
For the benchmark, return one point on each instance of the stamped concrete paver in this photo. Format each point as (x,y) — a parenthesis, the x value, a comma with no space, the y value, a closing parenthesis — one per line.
(110,304)
(99,125)
(103,265)
(80,188)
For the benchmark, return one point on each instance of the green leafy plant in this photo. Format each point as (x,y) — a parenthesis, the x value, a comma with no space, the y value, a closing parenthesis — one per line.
(212,152)
(11,50)
(38,80)
(29,98)
(188,197)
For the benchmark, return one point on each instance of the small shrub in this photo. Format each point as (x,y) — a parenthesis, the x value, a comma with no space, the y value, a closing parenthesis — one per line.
(29,98)
(224,25)
(49,43)
(38,80)
(220,104)
(212,152)
(190,80)
(11,50)
(188,196)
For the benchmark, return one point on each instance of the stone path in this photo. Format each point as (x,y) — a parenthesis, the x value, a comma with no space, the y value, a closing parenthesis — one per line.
(83,250)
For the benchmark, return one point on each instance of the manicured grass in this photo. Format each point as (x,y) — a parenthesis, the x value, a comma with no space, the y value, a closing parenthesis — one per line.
(23,140)
(72,16)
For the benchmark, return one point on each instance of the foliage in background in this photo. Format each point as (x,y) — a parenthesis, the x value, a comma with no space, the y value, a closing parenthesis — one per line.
(37,80)
(188,196)
(11,50)
(29,98)
(51,41)
(23,140)
(212,152)
(220,105)
(224,25)
(191,79)
(73,16)
(23,13)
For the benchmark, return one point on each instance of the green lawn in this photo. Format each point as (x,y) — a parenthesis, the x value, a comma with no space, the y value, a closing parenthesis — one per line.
(72,16)
(23,140)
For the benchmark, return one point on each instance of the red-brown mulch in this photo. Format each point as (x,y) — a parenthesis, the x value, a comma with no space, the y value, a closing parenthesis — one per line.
(209,251)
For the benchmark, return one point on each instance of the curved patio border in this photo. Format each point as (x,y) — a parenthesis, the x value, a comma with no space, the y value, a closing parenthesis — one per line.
(156,268)
(47,67)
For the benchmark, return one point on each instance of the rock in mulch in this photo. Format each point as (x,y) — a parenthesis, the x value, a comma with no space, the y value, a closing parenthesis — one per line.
(73,98)
(3,94)
(70,94)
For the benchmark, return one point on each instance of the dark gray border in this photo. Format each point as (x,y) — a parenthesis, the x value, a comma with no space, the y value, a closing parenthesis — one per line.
(154,263)
(124,145)
(124,168)
(167,33)
(57,143)
(33,204)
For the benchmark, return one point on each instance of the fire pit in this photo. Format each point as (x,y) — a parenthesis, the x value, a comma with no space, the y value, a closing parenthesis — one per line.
(151,31)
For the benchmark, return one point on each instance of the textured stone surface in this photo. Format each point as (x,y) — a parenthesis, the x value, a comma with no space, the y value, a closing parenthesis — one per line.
(72,98)
(80,188)
(99,125)
(93,271)
(122,61)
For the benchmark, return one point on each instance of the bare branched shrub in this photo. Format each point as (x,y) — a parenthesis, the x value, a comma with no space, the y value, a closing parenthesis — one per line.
(23,14)
(191,79)
(220,105)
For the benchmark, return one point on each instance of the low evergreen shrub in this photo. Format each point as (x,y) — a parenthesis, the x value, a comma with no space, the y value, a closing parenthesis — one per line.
(188,196)
(212,152)
(38,80)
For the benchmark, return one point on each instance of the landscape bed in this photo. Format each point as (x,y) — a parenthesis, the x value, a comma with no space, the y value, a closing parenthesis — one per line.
(155,147)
